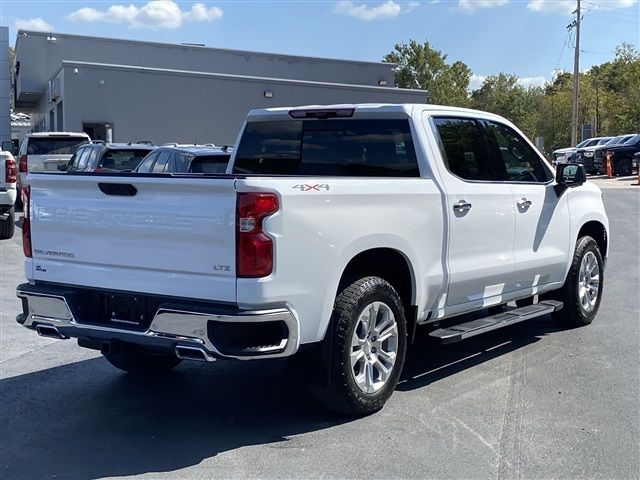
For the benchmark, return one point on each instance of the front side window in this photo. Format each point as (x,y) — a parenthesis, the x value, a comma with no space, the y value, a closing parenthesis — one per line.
(515,159)
(463,148)
(83,159)
(379,148)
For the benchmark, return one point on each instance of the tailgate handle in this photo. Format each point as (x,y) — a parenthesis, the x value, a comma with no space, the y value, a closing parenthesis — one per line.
(122,189)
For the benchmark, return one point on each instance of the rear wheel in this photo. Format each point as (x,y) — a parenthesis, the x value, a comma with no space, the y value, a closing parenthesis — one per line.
(624,167)
(142,363)
(582,290)
(8,225)
(369,344)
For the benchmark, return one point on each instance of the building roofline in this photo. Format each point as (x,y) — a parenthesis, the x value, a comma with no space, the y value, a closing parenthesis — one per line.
(197,47)
(248,78)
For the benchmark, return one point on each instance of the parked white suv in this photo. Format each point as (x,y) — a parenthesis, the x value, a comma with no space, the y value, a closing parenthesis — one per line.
(46,151)
(8,179)
(335,233)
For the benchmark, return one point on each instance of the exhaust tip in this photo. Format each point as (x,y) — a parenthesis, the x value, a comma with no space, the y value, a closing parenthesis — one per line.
(50,332)
(193,353)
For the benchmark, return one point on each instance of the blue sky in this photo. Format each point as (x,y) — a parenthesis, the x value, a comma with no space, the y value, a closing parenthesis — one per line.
(525,37)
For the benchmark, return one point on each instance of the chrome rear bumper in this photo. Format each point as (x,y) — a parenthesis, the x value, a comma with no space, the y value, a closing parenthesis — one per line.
(170,328)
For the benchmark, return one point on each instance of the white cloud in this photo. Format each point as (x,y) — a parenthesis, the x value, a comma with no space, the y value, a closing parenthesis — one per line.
(153,14)
(472,5)
(389,9)
(33,24)
(568,6)
(528,82)
(476,81)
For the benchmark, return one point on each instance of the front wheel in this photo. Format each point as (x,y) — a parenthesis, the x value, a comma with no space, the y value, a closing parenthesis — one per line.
(143,363)
(369,345)
(624,167)
(582,290)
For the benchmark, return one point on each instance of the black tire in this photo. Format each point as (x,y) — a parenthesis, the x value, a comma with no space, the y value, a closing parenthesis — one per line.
(343,395)
(573,314)
(143,363)
(8,226)
(624,167)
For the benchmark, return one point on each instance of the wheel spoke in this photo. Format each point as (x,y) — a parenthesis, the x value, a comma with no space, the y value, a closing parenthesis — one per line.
(368,376)
(388,333)
(356,356)
(383,370)
(373,317)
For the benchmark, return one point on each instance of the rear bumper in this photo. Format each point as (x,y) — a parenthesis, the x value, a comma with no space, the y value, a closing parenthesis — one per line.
(7,198)
(218,330)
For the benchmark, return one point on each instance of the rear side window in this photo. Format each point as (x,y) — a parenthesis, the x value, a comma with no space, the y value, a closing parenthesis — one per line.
(54,145)
(463,148)
(83,158)
(381,148)
(162,161)
(145,166)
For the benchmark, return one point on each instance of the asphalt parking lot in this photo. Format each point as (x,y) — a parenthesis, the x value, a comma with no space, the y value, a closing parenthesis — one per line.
(531,401)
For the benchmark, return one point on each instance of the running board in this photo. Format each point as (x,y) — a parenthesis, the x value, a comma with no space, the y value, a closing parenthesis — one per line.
(461,331)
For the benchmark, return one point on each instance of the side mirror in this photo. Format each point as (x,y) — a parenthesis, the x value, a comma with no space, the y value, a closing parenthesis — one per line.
(63,167)
(569,175)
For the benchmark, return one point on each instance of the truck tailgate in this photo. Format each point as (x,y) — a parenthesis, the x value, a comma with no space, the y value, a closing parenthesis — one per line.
(167,235)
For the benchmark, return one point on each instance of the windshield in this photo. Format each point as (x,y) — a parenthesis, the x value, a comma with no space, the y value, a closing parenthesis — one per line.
(209,164)
(632,139)
(54,145)
(604,140)
(583,143)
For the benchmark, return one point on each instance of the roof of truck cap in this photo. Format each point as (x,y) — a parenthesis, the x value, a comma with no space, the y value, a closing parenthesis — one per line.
(369,109)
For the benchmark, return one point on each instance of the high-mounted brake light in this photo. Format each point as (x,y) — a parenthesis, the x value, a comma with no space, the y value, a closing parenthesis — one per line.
(26,221)
(323,113)
(22,164)
(254,249)
(10,171)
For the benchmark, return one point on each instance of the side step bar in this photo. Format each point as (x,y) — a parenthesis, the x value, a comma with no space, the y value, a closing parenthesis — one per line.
(455,333)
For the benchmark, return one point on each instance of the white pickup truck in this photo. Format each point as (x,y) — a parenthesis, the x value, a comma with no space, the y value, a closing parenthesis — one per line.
(335,232)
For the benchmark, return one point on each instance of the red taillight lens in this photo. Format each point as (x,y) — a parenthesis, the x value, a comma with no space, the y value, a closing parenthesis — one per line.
(26,221)
(10,171)
(22,164)
(254,252)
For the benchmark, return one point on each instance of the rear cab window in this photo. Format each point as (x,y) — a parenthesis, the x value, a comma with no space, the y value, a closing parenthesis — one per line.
(329,147)
(66,145)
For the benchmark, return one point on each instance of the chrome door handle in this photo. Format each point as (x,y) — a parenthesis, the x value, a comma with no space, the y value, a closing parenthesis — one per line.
(462,206)
(524,203)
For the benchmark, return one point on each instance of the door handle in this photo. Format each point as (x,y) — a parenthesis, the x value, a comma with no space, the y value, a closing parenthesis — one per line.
(462,206)
(524,203)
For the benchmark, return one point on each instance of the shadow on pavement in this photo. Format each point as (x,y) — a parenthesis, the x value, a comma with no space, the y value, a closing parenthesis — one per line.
(88,420)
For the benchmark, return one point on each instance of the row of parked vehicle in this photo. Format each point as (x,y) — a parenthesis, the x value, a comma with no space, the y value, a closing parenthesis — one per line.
(591,153)
(76,152)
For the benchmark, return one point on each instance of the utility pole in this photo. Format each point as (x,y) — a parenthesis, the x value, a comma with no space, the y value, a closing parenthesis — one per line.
(576,78)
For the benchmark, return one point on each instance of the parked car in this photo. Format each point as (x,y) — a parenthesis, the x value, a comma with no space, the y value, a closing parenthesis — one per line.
(341,230)
(584,155)
(636,160)
(8,192)
(623,153)
(104,157)
(46,151)
(186,159)
(566,154)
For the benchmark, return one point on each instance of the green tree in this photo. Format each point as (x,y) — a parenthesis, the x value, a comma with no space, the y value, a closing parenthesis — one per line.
(421,66)
(503,95)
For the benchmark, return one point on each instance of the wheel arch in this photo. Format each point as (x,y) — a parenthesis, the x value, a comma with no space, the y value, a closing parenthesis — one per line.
(391,265)
(598,232)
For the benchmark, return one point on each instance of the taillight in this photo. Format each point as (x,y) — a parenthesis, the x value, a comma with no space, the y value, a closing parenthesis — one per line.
(22,164)
(254,252)
(10,172)
(26,221)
